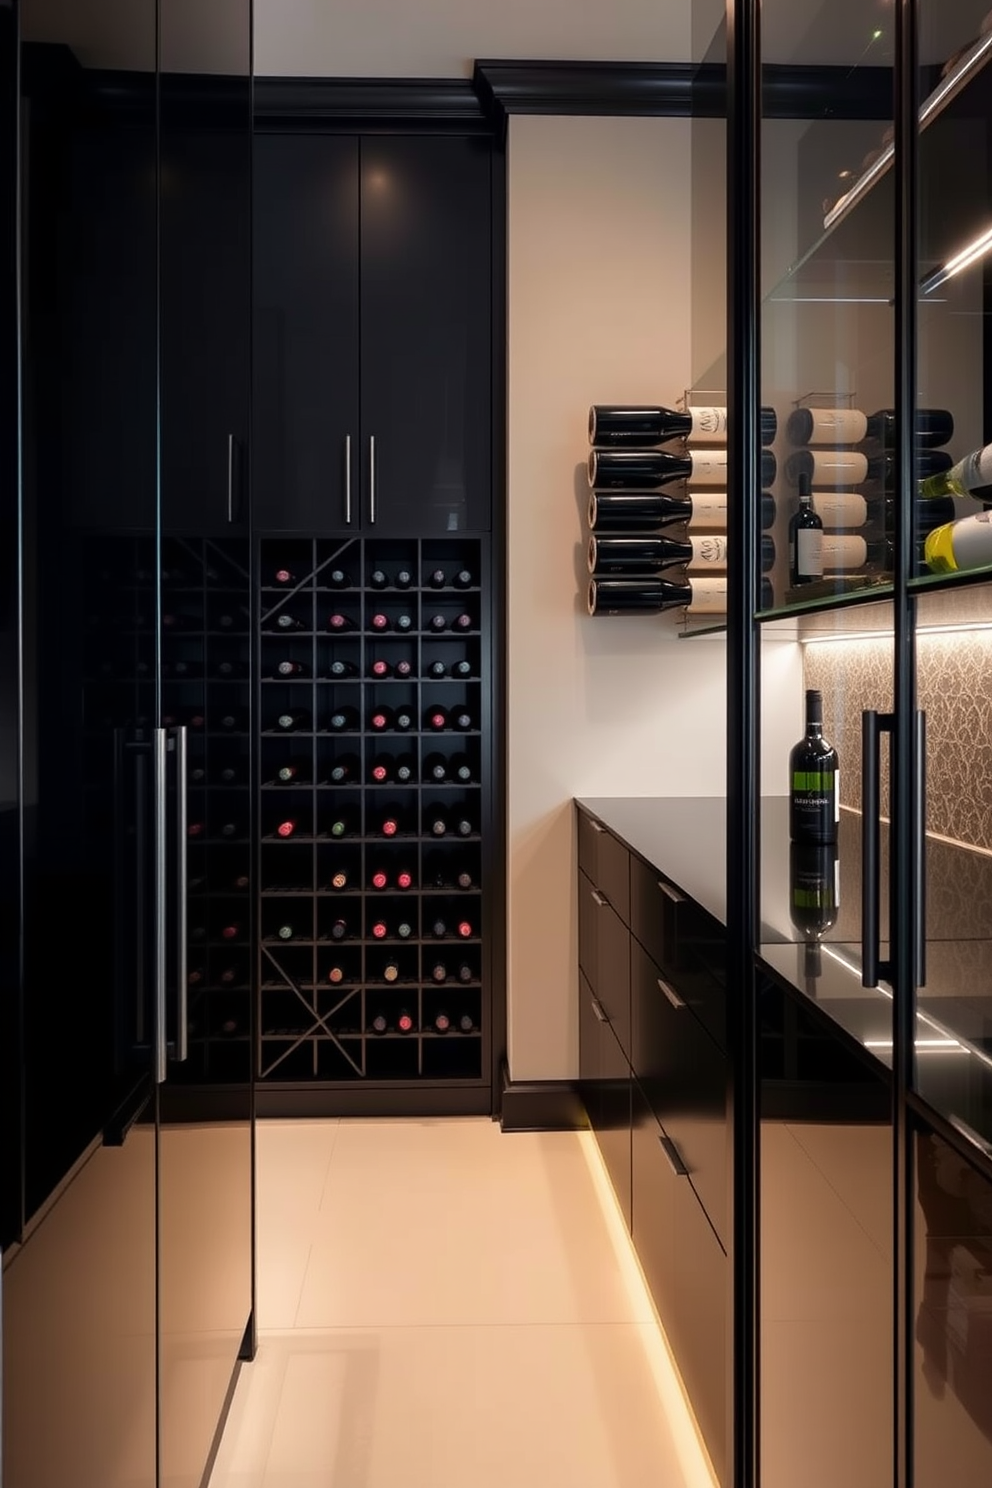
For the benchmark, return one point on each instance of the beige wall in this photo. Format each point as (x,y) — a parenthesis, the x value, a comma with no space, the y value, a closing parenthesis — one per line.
(598,311)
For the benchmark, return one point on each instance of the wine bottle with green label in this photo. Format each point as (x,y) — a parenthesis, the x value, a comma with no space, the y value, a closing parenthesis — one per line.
(814,781)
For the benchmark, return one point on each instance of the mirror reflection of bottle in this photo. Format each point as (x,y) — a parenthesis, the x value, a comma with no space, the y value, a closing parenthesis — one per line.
(814,897)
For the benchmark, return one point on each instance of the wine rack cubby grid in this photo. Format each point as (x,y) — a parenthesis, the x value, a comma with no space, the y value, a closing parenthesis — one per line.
(365,976)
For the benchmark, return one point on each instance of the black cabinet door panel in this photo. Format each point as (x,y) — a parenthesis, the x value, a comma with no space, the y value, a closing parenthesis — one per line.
(306,333)
(426,372)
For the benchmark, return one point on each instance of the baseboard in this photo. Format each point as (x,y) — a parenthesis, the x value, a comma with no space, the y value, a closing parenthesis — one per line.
(541,1105)
(362,1100)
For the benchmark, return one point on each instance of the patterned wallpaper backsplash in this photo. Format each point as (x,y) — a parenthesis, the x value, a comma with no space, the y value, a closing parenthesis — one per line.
(955,691)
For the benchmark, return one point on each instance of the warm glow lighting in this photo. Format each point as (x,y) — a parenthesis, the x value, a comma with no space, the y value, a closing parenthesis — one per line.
(942,1045)
(886,635)
(961,260)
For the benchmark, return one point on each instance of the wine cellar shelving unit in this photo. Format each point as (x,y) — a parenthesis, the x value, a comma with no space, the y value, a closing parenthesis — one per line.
(373,711)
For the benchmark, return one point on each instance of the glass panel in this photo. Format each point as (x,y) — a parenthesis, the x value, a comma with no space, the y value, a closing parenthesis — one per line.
(827,324)
(953,1242)
(954,234)
(205,1106)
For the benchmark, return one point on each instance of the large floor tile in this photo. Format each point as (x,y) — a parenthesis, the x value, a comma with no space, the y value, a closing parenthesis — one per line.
(452,1407)
(453,1222)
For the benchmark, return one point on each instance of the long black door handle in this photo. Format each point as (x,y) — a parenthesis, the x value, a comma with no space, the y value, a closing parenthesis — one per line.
(873,725)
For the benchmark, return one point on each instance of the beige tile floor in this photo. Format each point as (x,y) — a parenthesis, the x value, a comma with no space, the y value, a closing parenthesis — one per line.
(443,1306)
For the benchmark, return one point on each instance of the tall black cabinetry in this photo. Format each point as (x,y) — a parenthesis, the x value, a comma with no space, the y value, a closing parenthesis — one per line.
(127,1290)
(372,484)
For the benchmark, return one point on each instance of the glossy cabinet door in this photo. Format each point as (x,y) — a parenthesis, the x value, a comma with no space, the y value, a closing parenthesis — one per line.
(79,1289)
(305,452)
(426,371)
(205,1101)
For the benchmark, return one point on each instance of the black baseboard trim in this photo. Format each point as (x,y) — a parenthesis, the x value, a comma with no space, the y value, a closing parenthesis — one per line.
(359,1100)
(336,103)
(541,1105)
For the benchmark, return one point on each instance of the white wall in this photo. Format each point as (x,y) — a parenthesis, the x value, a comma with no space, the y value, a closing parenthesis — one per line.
(442,38)
(598,312)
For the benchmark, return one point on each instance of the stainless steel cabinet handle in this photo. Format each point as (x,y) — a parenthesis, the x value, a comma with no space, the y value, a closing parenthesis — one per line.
(597,826)
(372,479)
(182,887)
(159,747)
(670,893)
(230,478)
(600,899)
(599,1010)
(347,480)
(920,850)
(671,994)
(675,1162)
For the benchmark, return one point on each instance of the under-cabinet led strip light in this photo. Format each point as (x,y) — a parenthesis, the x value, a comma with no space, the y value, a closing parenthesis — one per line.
(886,635)
(961,260)
(971,63)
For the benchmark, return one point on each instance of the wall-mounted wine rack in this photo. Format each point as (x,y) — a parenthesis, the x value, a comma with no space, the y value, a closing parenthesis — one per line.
(373,758)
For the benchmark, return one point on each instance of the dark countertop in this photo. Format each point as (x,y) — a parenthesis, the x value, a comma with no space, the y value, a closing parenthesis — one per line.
(684,838)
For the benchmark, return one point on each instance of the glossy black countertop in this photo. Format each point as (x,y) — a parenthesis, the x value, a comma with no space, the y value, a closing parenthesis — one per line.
(684,839)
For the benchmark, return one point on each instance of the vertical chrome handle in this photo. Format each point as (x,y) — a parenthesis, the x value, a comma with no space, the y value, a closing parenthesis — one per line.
(230,478)
(182,887)
(372,479)
(920,850)
(347,480)
(873,725)
(159,748)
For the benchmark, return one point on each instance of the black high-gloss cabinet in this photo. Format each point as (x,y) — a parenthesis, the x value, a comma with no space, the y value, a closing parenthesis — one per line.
(372,334)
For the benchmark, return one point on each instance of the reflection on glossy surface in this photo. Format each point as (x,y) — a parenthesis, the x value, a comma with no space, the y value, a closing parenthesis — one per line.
(79,1331)
(953,1420)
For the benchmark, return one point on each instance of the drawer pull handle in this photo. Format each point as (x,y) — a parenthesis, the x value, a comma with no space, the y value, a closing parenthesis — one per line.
(599,1010)
(600,899)
(671,994)
(670,893)
(675,1162)
(597,826)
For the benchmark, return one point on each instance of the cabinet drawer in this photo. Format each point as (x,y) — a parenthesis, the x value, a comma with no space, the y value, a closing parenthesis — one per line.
(604,1082)
(606,860)
(654,910)
(604,957)
(687,1273)
(687,944)
(684,1078)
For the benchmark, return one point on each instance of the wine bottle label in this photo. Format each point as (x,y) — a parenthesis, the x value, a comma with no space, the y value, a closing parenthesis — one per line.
(838,509)
(709,467)
(709,597)
(709,425)
(709,511)
(708,553)
(809,553)
(846,551)
(816,791)
(828,426)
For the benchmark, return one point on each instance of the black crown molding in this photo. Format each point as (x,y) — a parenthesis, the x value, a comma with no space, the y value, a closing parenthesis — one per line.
(294,103)
(676,89)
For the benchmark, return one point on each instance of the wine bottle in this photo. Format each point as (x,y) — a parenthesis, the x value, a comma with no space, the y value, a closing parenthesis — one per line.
(437,669)
(439,972)
(380,668)
(377,579)
(195,829)
(229,774)
(342,824)
(846,552)
(336,975)
(463,622)
(461,719)
(464,929)
(968,477)
(437,623)
(285,932)
(805,539)
(231,829)
(436,579)
(389,824)
(463,579)
(439,928)
(960,545)
(379,621)
(287,827)
(391,972)
(614,426)
(460,768)
(635,511)
(462,668)
(631,556)
(344,720)
(292,773)
(285,576)
(650,470)
(296,721)
(383,768)
(833,426)
(650,596)
(436,719)
(403,623)
(827,468)
(381,719)
(339,929)
(403,579)
(288,622)
(228,669)
(339,622)
(404,878)
(465,973)
(814,781)
(441,1022)
(338,579)
(347,769)
(884,472)
(405,768)
(292,669)
(339,879)
(379,879)
(814,887)
(465,1023)
(230,932)
(379,1023)
(403,668)
(404,1023)
(404,930)
(339,668)
(379,930)
(436,767)
(229,976)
